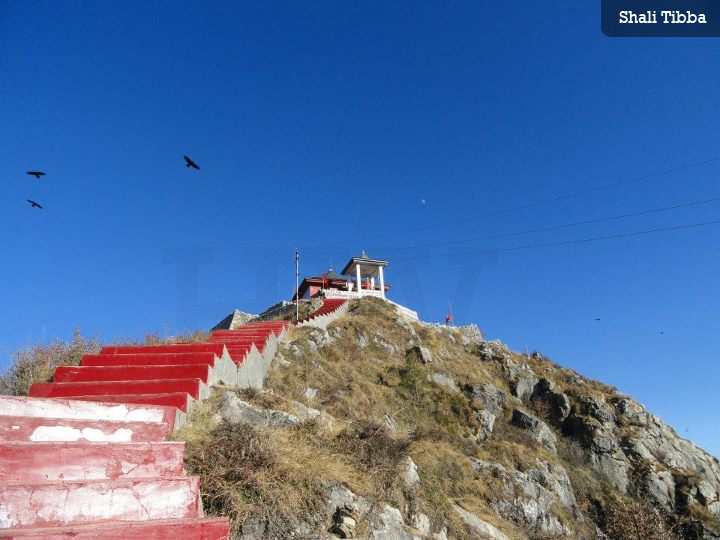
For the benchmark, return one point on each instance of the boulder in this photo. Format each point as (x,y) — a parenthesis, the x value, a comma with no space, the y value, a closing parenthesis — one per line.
(594,408)
(469,335)
(421,523)
(344,509)
(443,380)
(236,411)
(305,413)
(385,345)
(491,397)
(523,386)
(486,420)
(421,353)
(536,428)
(480,529)
(318,338)
(410,473)
(387,524)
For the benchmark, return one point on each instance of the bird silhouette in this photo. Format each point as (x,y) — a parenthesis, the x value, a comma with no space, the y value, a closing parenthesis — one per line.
(33,204)
(661,333)
(190,163)
(36,174)
(597,319)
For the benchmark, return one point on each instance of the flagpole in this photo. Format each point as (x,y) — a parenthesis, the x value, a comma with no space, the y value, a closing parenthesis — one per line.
(297,285)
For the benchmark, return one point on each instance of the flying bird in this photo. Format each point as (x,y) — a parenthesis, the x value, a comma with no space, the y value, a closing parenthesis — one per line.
(597,319)
(190,163)
(33,204)
(661,333)
(36,174)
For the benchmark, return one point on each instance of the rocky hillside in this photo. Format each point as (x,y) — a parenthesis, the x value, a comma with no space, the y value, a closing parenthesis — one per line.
(384,428)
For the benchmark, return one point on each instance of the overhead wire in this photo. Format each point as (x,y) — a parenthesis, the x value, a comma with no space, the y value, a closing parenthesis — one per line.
(566,242)
(563,225)
(548,200)
(267,289)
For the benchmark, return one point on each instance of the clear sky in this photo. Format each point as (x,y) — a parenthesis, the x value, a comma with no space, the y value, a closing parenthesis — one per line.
(335,127)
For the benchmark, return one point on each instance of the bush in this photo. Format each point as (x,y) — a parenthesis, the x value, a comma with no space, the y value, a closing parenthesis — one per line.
(375,451)
(36,364)
(245,476)
(630,519)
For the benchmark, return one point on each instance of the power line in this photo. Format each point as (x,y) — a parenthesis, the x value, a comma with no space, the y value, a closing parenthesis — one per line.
(265,291)
(569,242)
(563,225)
(549,200)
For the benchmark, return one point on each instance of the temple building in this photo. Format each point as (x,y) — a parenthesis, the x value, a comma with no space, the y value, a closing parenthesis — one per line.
(361,276)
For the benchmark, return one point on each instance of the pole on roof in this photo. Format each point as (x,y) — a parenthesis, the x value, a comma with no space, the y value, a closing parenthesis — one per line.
(297,285)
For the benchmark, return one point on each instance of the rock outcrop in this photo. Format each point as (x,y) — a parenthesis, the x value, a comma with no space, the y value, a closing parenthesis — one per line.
(504,445)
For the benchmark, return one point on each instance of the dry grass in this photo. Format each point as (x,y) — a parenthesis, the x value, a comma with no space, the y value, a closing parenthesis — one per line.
(277,475)
(36,364)
(376,453)
(630,519)
(196,336)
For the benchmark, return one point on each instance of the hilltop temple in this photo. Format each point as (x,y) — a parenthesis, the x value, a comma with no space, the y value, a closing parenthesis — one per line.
(362,276)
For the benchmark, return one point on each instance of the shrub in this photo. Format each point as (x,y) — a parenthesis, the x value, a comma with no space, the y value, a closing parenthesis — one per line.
(631,519)
(245,476)
(375,451)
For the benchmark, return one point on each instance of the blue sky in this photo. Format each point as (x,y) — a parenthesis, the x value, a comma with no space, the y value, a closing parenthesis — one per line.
(323,127)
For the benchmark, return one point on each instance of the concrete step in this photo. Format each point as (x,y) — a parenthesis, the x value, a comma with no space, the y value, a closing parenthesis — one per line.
(181,402)
(131,373)
(84,410)
(215,348)
(146,359)
(28,428)
(44,461)
(175,529)
(194,387)
(241,339)
(58,504)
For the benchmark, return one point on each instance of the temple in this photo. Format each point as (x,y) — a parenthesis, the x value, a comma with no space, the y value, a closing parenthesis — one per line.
(361,276)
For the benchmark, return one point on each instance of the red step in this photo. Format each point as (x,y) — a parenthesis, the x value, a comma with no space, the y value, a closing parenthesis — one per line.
(130,373)
(179,400)
(328,306)
(24,428)
(84,410)
(60,503)
(235,339)
(238,355)
(247,331)
(229,343)
(191,386)
(175,529)
(43,461)
(216,348)
(145,359)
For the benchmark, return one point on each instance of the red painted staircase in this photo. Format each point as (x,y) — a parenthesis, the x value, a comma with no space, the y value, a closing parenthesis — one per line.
(85,456)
